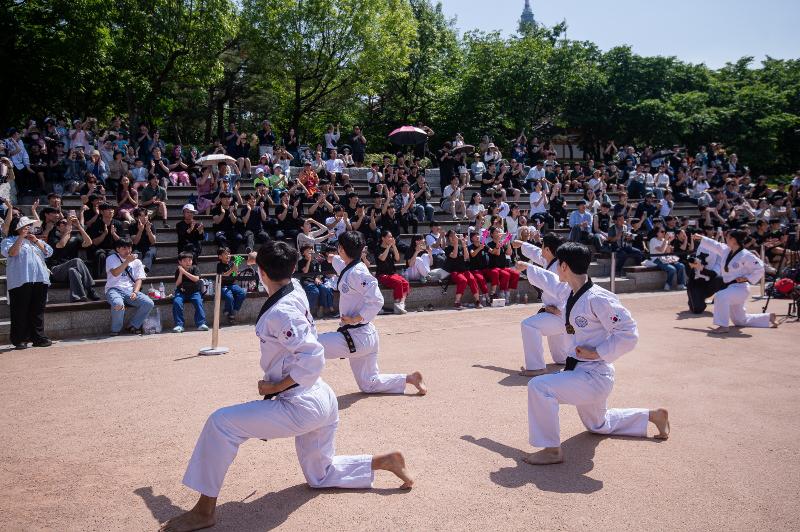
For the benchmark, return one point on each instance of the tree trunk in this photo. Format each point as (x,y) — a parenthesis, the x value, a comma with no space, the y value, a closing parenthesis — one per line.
(209,116)
(296,107)
(220,118)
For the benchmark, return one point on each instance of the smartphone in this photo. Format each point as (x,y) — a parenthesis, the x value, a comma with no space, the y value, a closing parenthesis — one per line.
(71,213)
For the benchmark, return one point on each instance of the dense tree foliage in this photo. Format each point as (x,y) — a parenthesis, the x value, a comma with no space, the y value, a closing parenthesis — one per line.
(190,65)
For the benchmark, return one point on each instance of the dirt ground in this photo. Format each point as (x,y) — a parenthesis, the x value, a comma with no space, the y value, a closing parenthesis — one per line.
(96,435)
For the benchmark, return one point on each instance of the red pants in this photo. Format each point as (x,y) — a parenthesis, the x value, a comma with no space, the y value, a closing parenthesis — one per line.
(480,280)
(462,279)
(504,278)
(397,283)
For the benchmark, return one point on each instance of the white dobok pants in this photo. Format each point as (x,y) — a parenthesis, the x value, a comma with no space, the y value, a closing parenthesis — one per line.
(729,305)
(587,387)
(538,326)
(364,362)
(311,418)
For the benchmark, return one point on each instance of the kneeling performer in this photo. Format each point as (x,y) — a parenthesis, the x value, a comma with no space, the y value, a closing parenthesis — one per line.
(739,267)
(544,276)
(360,300)
(604,331)
(302,405)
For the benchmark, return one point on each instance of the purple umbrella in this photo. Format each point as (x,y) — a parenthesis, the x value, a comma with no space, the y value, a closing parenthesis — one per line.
(408,136)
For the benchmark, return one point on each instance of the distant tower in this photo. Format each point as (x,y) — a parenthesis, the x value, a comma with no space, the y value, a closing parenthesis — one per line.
(526,21)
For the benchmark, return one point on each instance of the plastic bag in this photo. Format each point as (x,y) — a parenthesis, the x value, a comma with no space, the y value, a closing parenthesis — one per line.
(152,323)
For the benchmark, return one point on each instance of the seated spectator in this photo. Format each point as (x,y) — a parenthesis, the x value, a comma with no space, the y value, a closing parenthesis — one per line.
(127,201)
(206,190)
(475,206)
(159,167)
(123,287)
(386,257)
(278,183)
(27,280)
(178,169)
(558,206)
(143,237)
(232,294)
(456,264)
(91,187)
(499,249)
(580,224)
(335,167)
(65,264)
(97,167)
(226,224)
(288,215)
(116,169)
(659,245)
(188,285)
(309,269)
(253,218)
(105,231)
(539,203)
(453,199)
(338,223)
(404,203)
(418,259)
(423,210)
(154,196)
(620,242)
(309,179)
(191,232)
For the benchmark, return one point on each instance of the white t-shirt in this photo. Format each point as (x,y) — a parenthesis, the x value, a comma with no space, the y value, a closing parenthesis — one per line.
(666,208)
(662,180)
(334,166)
(534,174)
(542,207)
(448,191)
(340,226)
(374,177)
(432,239)
(123,281)
(503,209)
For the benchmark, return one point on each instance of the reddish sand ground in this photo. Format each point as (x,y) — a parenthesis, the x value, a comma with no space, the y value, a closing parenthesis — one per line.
(96,435)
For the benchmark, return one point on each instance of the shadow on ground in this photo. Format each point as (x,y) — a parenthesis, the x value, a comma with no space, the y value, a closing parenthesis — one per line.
(513,378)
(265,513)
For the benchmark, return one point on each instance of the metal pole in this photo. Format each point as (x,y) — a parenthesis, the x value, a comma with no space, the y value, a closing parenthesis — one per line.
(613,272)
(764,275)
(215,349)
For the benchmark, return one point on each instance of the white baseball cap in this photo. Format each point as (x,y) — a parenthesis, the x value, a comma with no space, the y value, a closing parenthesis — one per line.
(189,207)
(25,221)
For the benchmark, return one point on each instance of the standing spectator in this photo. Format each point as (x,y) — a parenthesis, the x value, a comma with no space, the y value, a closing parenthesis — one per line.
(27,280)
(188,285)
(191,232)
(125,275)
(65,265)
(116,169)
(97,167)
(292,143)
(266,139)
(16,152)
(241,152)
(447,165)
(232,294)
(331,137)
(386,258)
(358,143)
(143,237)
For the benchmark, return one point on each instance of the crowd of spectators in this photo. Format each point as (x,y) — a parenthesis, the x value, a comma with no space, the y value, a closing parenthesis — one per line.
(122,179)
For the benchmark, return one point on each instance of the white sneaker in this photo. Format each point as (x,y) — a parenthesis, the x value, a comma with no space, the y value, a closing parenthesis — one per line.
(398,309)
(667,287)
(203,327)
(177,329)
(681,287)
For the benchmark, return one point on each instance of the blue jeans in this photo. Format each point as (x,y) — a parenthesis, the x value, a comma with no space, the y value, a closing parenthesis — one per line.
(671,270)
(318,295)
(233,296)
(177,307)
(117,298)
(424,213)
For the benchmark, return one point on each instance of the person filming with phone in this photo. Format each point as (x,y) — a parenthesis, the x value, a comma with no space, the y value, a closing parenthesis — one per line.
(125,275)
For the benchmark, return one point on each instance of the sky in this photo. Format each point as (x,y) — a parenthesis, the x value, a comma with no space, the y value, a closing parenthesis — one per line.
(697,31)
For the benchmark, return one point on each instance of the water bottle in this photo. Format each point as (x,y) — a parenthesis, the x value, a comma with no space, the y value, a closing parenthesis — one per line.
(161,292)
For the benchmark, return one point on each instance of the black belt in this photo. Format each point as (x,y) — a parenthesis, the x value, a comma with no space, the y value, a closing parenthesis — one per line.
(271,396)
(543,309)
(345,330)
(571,363)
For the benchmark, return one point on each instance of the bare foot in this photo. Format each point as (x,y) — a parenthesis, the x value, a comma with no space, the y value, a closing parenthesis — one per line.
(531,372)
(395,463)
(547,456)
(720,330)
(415,379)
(187,522)
(660,418)
(773,320)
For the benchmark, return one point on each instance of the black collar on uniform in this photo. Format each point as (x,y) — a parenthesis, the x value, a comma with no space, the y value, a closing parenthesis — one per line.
(730,257)
(554,259)
(573,298)
(349,266)
(274,298)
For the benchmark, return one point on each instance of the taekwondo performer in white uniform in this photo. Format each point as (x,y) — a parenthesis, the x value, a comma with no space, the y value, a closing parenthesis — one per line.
(739,267)
(544,276)
(360,300)
(604,331)
(298,403)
